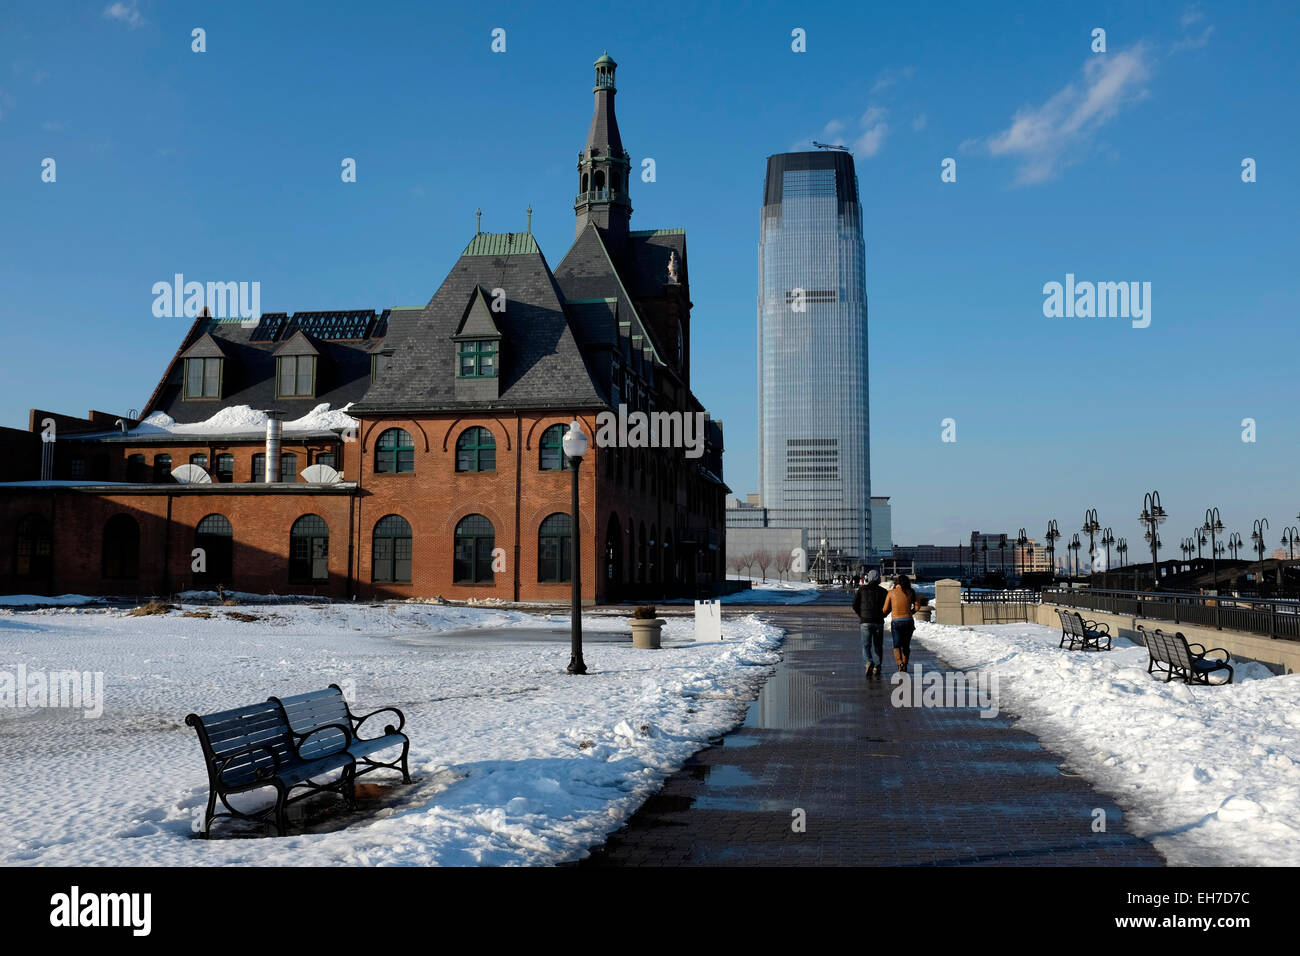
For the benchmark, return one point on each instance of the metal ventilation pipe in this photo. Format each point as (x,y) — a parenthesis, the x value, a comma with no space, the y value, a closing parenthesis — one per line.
(273,430)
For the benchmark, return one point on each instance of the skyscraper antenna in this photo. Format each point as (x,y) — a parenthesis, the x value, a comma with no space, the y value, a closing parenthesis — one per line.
(829,146)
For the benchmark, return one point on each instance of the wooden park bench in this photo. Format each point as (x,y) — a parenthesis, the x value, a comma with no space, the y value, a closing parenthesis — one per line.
(1173,656)
(289,745)
(1087,634)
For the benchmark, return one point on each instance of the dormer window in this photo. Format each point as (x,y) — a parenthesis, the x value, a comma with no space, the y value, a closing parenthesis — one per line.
(478,358)
(203,378)
(296,376)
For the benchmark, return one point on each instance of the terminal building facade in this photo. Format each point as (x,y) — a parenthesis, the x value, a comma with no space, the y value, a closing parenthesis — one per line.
(409,452)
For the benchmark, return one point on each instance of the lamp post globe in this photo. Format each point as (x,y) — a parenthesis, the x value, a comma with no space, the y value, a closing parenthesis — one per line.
(575,446)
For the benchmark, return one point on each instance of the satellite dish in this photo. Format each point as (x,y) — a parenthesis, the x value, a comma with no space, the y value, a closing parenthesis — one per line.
(321,475)
(191,475)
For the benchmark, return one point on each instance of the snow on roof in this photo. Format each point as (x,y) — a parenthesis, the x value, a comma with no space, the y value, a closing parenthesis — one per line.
(237,419)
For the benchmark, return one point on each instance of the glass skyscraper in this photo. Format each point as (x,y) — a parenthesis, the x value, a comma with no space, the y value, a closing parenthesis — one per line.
(814,438)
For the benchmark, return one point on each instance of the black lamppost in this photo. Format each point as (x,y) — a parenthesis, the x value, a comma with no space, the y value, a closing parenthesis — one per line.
(1214,526)
(1235,544)
(1002,557)
(985,549)
(1107,539)
(575,446)
(1121,548)
(1186,547)
(1021,540)
(1153,516)
(1289,538)
(1090,527)
(1075,545)
(1257,535)
(1053,532)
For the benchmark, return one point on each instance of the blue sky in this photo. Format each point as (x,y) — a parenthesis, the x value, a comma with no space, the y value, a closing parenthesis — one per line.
(1122,166)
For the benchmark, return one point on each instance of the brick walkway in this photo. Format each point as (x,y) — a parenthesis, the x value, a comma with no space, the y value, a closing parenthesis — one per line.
(879,784)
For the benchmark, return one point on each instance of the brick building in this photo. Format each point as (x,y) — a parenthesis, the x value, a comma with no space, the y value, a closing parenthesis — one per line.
(437,429)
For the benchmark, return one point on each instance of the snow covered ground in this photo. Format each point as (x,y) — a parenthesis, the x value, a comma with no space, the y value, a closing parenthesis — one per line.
(1211,775)
(515,762)
(767,592)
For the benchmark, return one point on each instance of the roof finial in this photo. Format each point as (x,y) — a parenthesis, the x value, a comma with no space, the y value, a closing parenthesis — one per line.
(530,219)
(478,221)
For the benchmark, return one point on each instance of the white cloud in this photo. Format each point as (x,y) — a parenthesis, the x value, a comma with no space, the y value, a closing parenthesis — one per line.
(833,128)
(125,11)
(1192,14)
(871,140)
(919,123)
(1193,43)
(891,77)
(1046,138)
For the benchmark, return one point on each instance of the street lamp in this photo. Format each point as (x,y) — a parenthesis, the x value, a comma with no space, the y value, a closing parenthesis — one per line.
(1021,540)
(1289,538)
(575,446)
(1090,527)
(1257,535)
(1235,544)
(1107,539)
(1053,532)
(1075,545)
(1214,525)
(1153,516)
(1002,558)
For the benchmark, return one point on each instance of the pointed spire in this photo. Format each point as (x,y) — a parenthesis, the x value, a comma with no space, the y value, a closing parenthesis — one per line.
(604,165)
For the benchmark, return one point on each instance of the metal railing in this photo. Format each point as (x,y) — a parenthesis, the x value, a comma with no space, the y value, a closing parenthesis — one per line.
(1269,617)
(1024,596)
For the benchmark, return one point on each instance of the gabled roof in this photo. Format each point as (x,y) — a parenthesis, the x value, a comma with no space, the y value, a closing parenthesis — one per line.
(478,321)
(205,346)
(298,344)
(502,244)
(588,272)
(541,364)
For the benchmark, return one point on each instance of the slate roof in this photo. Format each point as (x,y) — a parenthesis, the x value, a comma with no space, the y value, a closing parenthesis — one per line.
(342,376)
(588,271)
(540,363)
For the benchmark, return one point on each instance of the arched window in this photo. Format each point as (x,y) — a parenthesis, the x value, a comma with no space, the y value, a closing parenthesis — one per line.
(553,456)
(136,469)
(215,536)
(259,467)
(394,452)
(288,467)
(584,182)
(555,548)
(391,552)
(309,550)
(32,548)
(200,459)
(121,548)
(162,468)
(476,450)
(225,467)
(475,539)
(598,181)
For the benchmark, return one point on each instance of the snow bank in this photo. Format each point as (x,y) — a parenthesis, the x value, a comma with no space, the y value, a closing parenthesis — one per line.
(515,762)
(1211,775)
(237,419)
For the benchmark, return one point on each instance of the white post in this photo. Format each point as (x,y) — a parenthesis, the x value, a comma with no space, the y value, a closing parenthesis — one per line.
(708,621)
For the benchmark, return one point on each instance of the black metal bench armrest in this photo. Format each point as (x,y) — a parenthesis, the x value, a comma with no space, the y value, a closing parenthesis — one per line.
(264,773)
(1094,626)
(1193,648)
(1226,656)
(389,729)
(303,738)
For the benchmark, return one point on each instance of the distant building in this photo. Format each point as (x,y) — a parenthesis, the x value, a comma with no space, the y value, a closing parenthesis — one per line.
(812,333)
(882,528)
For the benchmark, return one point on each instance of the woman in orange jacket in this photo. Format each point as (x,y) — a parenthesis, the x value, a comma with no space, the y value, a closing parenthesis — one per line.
(900,602)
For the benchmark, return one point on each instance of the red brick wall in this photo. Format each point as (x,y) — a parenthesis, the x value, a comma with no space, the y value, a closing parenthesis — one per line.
(516,498)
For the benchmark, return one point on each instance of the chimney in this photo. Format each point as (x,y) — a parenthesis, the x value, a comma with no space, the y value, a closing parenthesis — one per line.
(273,429)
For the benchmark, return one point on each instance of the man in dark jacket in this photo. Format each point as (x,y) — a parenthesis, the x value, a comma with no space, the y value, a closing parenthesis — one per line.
(868,604)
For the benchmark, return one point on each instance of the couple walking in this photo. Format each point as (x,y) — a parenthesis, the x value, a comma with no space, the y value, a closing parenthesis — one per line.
(871,603)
